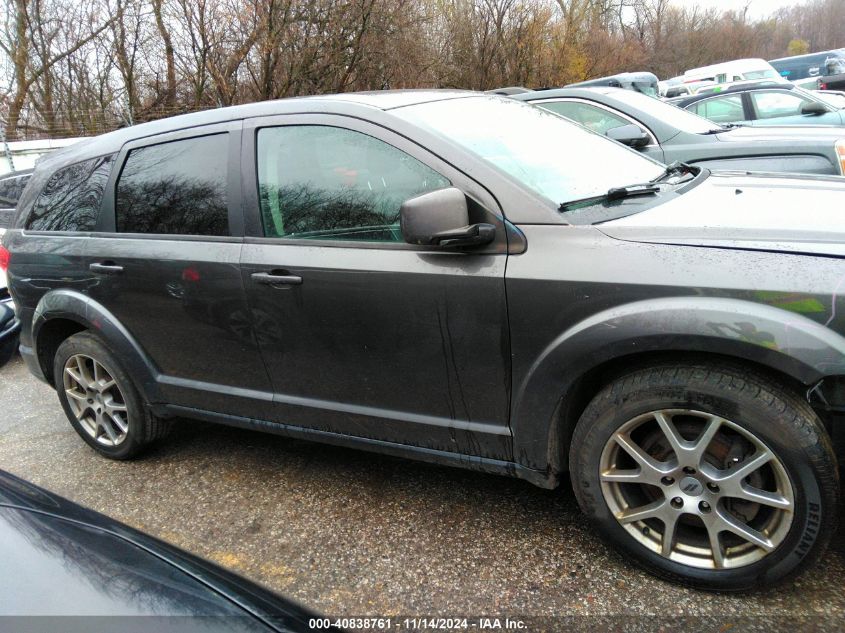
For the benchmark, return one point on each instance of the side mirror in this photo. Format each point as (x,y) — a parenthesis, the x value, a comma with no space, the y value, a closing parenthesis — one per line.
(630,135)
(813,108)
(441,219)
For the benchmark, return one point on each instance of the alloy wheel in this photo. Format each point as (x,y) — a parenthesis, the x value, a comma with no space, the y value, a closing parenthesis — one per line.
(96,400)
(696,488)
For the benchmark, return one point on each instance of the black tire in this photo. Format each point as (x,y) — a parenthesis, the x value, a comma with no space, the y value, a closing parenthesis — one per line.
(143,427)
(772,412)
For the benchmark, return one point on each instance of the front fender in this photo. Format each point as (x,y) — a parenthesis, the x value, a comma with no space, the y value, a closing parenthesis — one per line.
(784,341)
(74,306)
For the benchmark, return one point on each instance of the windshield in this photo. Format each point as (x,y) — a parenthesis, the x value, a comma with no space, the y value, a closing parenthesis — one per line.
(768,73)
(559,160)
(667,113)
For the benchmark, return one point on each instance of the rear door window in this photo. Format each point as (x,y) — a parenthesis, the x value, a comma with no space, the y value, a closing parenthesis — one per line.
(727,109)
(178,187)
(70,201)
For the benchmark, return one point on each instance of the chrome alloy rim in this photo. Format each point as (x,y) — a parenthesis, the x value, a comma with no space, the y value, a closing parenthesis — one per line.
(697,488)
(96,400)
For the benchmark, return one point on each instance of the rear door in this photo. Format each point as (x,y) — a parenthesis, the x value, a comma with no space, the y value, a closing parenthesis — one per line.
(363,334)
(166,262)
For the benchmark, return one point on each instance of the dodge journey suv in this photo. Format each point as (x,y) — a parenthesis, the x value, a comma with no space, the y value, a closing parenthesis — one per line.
(463,279)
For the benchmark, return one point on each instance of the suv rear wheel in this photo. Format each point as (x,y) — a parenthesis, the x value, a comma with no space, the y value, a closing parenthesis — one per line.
(716,477)
(100,400)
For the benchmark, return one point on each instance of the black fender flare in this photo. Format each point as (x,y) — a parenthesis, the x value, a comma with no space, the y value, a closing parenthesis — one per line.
(75,306)
(783,341)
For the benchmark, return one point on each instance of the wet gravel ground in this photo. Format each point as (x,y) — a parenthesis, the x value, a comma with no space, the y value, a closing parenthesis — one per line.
(352,533)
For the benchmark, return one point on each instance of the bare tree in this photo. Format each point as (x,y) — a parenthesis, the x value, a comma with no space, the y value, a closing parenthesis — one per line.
(85,66)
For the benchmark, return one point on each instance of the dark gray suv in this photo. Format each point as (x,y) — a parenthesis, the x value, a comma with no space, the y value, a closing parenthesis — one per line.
(463,279)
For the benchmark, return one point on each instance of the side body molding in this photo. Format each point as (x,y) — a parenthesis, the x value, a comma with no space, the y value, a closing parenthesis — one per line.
(74,306)
(784,341)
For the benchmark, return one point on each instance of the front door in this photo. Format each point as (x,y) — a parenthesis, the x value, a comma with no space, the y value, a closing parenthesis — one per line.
(363,334)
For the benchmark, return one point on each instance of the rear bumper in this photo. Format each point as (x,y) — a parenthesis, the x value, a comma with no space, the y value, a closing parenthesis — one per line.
(25,344)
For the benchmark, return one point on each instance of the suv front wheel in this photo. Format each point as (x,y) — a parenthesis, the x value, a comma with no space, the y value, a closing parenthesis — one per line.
(712,476)
(100,400)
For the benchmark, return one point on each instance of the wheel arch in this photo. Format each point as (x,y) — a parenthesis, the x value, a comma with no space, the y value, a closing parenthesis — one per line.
(550,398)
(63,313)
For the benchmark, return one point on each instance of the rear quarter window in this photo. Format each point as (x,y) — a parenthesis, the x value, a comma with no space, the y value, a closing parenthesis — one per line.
(70,201)
(11,188)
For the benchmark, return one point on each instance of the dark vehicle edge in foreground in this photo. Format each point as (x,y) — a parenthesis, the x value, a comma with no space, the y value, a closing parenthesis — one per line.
(63,560)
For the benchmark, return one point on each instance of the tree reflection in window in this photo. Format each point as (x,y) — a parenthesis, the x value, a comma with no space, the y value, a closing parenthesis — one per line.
(321,182)
(175,188)
(70,201)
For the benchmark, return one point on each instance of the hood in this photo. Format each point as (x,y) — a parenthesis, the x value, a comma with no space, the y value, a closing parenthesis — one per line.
(769,212)
(802,133)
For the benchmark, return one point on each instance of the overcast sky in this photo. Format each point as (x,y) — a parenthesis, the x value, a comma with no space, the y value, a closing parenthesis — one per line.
(757,8)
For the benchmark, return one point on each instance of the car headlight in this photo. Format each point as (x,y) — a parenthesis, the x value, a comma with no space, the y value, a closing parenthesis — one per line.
(840,153)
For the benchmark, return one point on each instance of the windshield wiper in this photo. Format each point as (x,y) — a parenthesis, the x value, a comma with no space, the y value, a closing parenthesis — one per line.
(678,167)
(615,193)
(724,127)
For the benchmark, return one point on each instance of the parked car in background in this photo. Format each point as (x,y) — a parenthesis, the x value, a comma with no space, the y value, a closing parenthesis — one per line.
(673,82)
(811,84)
(11,188)
(61,560)
(643,82)
(733,71)
(464,279)
(667,133)
(764,104)
(508,90)
(835,77)
(678,89)
(816,71)
(713,88)
(812,65)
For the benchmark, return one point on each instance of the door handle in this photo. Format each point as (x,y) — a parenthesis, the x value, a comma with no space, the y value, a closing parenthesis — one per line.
(280,278)
(106,268)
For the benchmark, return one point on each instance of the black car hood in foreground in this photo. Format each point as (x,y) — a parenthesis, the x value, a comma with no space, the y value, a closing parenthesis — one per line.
(769,212)
(65,567)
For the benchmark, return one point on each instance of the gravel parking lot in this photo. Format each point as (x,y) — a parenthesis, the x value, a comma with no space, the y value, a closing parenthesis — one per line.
(351,533)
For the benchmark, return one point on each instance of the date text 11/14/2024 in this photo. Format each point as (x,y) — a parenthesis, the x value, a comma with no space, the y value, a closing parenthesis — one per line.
(418,624)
